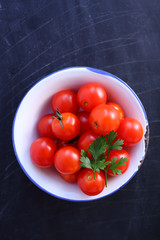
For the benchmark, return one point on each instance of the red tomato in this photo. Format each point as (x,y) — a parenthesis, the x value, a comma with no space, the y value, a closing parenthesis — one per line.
(67,160)
(118,108)
(85,140)
(88,184)
(84,121)
(65,101)
(62,143)
(90,95)
(119,154)
(45,126)
(71,127)
(42,152)
(131,131)
(103,119)
(70,178)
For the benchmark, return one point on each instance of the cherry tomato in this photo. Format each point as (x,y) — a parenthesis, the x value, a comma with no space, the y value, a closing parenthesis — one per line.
(71,126)
(42,152)
(65,101)
(88,184)
(90,95)
(70,178)
(45,126)
(118,108)
(62,143)
(131,131)
(85,140)
(119,154)
(67,160)
(103,119)
(84,121)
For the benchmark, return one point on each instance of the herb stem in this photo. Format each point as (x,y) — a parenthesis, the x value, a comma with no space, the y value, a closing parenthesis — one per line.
(108,154)
(94,168)
(106,166)
(94,174)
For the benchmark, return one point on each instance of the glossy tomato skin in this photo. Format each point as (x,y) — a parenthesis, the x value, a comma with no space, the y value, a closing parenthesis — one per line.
(67,160)
(119,154)
(42,152)
(45,126)
(71,127)
(131,131)
(65,101)
(103,119)
(84,121)
(88,184)
(90,95)
(118,108)
(70,178)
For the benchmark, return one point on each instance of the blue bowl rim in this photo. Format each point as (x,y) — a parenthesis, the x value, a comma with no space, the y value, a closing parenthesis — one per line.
(98,71)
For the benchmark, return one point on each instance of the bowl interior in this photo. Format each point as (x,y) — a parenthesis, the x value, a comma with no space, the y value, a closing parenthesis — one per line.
(37,102)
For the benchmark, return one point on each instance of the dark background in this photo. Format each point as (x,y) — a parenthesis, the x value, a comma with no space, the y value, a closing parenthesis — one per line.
(38,37)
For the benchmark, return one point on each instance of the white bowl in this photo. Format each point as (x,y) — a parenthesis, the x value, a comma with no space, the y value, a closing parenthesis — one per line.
(37,102)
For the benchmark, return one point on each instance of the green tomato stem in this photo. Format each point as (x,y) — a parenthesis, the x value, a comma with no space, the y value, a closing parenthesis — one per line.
(58,116)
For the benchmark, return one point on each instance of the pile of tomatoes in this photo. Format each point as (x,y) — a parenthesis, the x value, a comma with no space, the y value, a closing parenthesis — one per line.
(77,120)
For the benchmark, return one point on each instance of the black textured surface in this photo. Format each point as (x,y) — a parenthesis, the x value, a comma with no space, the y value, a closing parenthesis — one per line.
(38,37)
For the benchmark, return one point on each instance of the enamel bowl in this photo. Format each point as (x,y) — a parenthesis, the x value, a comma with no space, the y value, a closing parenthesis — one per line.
(37,102)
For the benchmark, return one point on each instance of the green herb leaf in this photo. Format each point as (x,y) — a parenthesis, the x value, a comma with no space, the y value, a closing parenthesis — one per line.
(101,164)
(113,166)
(85,162)
(110,137)
(116,170)
(84,153)
(107,162)
(121,162)
(117,145)
(113,160)
(98,147)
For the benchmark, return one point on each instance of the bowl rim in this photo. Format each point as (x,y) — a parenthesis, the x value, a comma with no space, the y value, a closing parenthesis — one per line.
(98,71)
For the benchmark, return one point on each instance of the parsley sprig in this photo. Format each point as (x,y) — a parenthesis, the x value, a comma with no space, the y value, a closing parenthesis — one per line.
(100,160)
